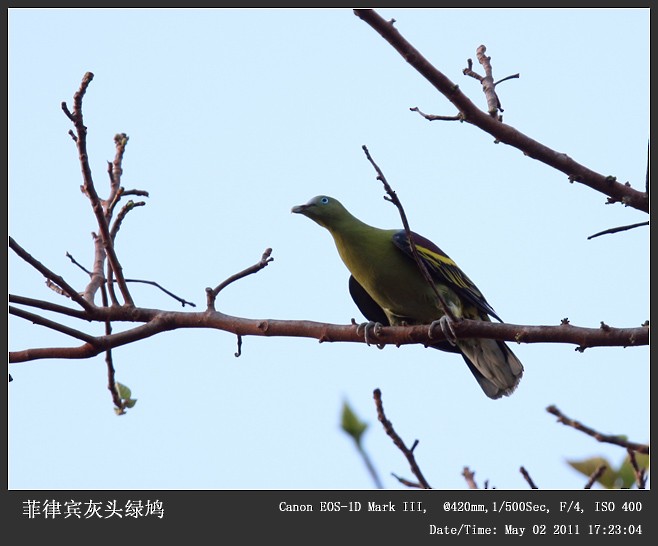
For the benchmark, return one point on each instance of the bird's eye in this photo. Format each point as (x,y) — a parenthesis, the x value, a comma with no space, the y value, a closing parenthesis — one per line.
(324,200)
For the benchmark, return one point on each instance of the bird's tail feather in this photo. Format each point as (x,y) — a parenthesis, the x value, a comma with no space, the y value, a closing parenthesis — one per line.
(494,365)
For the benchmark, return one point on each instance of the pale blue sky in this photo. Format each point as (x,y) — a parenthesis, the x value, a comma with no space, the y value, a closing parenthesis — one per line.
(236,115)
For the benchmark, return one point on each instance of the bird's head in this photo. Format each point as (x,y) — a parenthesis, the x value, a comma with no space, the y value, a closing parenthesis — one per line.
(324,210)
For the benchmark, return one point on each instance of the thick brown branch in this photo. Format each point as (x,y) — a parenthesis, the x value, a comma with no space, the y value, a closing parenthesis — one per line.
(502,132)
(161,321)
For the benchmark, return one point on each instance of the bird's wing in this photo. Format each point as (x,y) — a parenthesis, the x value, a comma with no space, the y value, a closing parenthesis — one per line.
(443,270)
(369,307)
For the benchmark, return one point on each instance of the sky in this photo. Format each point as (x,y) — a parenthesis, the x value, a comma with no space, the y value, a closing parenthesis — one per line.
(236,115)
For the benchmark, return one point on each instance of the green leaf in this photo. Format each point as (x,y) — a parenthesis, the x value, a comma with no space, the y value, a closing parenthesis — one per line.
(589,466)
(620,478)
(351,424)
(129,403)
(124,392)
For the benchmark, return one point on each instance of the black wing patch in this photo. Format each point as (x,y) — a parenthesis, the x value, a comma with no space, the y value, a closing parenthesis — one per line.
(368,307)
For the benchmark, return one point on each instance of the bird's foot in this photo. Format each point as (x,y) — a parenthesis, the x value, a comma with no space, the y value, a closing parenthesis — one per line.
(368,330)
(446,327)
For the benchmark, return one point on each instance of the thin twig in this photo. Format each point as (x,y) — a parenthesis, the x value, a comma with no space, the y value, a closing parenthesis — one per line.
(393,198)
(153,283)
(74,262)
(59,281)
(640,473)
(607,438)
(388,427)
(211,293)
(371,468)
(130,205)
(595,476)
(513,76)
(469,476)
(527,477)
(41,321)
(406,482)
(432,117)
(618,229)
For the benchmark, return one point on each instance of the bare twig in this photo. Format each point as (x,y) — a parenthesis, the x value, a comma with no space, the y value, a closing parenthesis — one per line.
(408,453)
(469,476)
(41,321)
(488,86)
(595,476)
(59,281)
(89,189)
(512,77)
(171,294)
(130,205)
(618,229)
(152,283)
(406,482)
(116,170)
(369,466)
(607,438)
(432,117)
(393,198)
(75,262)
(640,473)
(211,293)
(527,477)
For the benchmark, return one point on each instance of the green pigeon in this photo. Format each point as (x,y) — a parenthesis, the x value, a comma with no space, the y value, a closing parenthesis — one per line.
(389,288)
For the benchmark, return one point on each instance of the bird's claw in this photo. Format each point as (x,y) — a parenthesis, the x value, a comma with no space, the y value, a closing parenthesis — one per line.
(369,329)
(446,327)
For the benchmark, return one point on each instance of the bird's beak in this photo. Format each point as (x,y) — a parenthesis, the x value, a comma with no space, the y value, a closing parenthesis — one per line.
(299,209)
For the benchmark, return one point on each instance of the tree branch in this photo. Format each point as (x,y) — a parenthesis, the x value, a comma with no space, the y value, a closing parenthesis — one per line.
(507,134)
(610,439)
(158,321)
(393,198)
(408,453)
(211,293)
(88,185)
(59,281)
